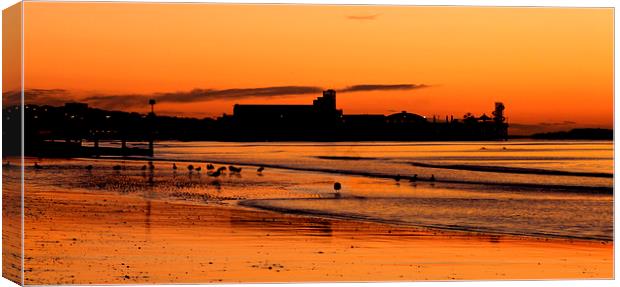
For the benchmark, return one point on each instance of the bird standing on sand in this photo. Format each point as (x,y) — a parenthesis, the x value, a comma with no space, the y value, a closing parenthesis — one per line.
(432,177)
(260,169)
(151,165)
(414,178)
(210,167)
(215,173)
(337,187)
(190,168)
(37,166)
(234,169)
(397,178)
(198,169)
(89,167)
(174,166)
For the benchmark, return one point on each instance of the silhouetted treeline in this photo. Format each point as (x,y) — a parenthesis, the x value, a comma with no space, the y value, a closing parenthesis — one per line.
(578,134)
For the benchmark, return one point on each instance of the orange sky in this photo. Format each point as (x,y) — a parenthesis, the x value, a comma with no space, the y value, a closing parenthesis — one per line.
(548,65)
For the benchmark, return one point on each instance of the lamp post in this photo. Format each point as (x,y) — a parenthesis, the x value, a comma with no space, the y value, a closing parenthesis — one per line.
(152,102)
(151,117)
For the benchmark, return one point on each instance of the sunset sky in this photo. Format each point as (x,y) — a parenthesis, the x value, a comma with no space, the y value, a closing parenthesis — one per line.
(552,67)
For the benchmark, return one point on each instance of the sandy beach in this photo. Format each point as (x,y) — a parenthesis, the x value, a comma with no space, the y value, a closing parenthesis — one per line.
(97,239)
(114,235)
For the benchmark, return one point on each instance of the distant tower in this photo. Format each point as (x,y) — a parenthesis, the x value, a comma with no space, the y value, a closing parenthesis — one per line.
(152,102)
(498,114)
(327,102)
(501,127)
(151,136)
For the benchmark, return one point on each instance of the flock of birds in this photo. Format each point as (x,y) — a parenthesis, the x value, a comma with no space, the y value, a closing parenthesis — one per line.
(211,170)
(397,178)
(414,178)
(216,172)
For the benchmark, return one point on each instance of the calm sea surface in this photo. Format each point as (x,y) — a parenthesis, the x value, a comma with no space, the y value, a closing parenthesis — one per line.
(534,188)
(510,187)
(586,164)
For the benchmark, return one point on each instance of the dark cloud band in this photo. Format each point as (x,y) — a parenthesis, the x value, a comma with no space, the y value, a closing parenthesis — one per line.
(367,88)
(123,101)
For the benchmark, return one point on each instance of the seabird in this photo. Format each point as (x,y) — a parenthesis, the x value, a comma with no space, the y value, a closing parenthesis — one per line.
(190,168)
(260,169)
(234,169)
(210,167)
(174,166)
(216,173)
(37,166)
(337,187)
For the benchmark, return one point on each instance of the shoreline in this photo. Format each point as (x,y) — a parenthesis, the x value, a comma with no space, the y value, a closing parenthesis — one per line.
(254,203)
(162,226)
(226,243)
(456,230)
(564,188)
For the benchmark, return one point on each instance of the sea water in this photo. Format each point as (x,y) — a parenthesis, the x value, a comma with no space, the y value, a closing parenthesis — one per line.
(533,188)
(538,188)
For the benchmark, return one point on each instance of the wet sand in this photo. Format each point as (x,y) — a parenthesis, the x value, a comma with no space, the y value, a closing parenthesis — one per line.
(97,237)
(11,223)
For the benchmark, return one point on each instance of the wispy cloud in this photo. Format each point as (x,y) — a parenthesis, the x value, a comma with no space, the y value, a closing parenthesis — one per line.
(363,17)
(36,96)
(125,101)
(376,87)
(563,123)
(199,95)
(117,101)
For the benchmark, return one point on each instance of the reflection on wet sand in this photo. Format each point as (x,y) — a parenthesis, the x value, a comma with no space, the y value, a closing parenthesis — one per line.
(308,226)
(108,226)
(97,238)
(11,220)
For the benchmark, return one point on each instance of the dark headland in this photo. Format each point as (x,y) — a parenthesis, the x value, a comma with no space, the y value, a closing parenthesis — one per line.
(577,134)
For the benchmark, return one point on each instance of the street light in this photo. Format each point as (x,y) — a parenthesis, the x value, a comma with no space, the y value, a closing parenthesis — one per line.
(152,102)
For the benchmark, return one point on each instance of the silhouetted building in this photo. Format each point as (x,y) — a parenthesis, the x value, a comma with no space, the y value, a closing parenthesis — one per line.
(320,121)
(405,118)
(323,121)
(321,115)
(363,121)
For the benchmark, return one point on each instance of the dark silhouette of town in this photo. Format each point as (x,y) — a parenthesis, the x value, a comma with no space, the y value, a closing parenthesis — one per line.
(62,130)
